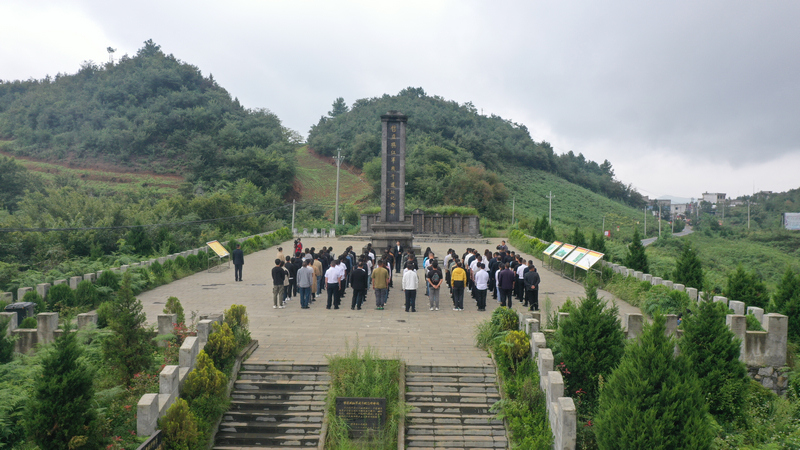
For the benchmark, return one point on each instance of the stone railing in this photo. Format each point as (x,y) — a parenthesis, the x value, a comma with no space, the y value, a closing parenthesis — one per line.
(315,233)
(43,288)
(170,381)
(436,224)
(46,330)
(764,352)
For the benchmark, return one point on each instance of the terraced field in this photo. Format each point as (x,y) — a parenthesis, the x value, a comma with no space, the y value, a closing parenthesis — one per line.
(316,180)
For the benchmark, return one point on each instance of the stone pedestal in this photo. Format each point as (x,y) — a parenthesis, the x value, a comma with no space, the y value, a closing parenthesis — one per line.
(386,234)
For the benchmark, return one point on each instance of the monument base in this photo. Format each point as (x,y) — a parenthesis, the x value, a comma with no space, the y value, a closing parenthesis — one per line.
(387,234)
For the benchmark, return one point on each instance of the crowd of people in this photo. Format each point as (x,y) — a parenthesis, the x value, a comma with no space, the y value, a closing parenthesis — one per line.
(306,273)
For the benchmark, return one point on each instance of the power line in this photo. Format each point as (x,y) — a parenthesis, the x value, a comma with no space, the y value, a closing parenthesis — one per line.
(127,227)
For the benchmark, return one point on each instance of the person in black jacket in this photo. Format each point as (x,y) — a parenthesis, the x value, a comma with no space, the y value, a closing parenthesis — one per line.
(531,280)
(278,275)
(238,262)
(359,281)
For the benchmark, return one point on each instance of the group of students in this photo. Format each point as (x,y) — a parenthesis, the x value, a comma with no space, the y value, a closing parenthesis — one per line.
(307,273)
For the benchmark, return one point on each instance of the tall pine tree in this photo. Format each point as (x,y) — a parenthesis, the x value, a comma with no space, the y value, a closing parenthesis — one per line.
(130,348)
(636,258)
(713,353)
(653,399)
(747,287)
(688,269)
(60,414)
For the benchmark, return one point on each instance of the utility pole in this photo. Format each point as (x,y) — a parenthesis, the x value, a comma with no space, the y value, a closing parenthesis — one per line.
(659,219)
(513,205)
(645,221)
(293,205)
(550,211)
(748,214)
(603,231)
(338,159)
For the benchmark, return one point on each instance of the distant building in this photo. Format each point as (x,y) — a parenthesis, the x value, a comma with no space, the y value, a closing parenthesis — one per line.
(678,209)
(713,197)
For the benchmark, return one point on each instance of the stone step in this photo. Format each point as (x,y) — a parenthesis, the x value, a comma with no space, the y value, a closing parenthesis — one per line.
(266,394)
(288,367)
(271,439)
(452,397)
(269,427)
(451,378)
(457,441)
(283,375)
(450,408)
(456,430)
(274,416)
(413,370)
(421,418)
(417,386)
(276,405)
(281,385)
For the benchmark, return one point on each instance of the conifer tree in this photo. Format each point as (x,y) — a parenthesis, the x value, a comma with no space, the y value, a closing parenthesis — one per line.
(591,343)
(60,414)
(653,399)
(747,287)
(577,238)
(713,354)
(598,242)
(688,269)
(786,301)
(636,258)
(6,344)
(130,348)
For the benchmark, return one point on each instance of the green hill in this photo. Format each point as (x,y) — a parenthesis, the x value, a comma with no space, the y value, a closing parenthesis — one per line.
(150,112)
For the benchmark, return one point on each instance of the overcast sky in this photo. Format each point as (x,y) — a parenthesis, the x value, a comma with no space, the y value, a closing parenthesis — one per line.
(682,97)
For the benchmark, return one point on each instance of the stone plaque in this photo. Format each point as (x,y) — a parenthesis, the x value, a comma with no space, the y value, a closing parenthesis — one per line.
(361,413)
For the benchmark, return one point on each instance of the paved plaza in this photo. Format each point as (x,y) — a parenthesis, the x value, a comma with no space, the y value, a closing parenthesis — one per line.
(443,337)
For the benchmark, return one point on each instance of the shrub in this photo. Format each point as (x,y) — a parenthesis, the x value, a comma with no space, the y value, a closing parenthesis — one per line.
(174,306)
(747,287)
(193,263)
(505,319)
(34,297)
(104,312)
(86,294)
(179,427)
(60,296)
(6,344)
(205,378)
(713,354)
(157,269)
(29,323)
(653,399)
(61,414)
(221,345)
(236,316)
(516,345)
(202,259)
(169,268)
(663,300)
(753,324)
(181,266)
(108,279)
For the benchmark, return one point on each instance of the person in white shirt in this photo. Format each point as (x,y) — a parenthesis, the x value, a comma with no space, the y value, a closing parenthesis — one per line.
(519,286)
(481,286)
(333,279)
(410,285)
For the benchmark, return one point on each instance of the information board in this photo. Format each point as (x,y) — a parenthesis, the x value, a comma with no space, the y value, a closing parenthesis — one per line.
(361,413)
(218,248)
(552,247)
(791,221)
(590,259)
(563,251)
(576,255)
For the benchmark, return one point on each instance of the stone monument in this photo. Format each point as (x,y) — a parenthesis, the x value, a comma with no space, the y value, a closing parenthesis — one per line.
(392,225)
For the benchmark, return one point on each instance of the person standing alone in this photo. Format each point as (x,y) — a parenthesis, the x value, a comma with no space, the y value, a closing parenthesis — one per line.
(238,262)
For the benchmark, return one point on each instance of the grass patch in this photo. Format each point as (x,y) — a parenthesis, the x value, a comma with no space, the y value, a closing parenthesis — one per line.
(364,374)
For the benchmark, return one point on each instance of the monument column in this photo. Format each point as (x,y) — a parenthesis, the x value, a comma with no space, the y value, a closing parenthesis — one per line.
(392,226)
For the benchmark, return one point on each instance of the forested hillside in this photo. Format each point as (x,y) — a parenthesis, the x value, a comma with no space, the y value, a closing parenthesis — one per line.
(455,153)
(147,112)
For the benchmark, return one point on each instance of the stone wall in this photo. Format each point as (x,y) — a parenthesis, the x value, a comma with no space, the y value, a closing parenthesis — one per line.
(436,224)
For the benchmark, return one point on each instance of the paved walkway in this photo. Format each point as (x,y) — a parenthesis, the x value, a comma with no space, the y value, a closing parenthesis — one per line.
(443,337)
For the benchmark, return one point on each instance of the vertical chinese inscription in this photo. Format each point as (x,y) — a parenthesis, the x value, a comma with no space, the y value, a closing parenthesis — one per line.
(393,179)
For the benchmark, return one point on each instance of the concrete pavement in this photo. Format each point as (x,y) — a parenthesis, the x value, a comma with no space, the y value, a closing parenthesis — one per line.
(443,337)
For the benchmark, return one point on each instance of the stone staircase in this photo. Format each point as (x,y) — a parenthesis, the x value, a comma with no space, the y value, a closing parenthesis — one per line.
(450,408)
(275,405)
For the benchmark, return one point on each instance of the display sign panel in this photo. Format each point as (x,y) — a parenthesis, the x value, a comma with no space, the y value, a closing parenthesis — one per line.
(218,248)
(563,251)
(576,255)
(590,259)
(552,247)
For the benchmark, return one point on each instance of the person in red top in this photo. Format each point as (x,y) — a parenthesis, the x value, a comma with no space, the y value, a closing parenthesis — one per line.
(298,248)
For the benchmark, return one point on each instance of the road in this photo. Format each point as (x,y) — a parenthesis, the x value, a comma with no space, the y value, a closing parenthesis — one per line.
(687,230)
